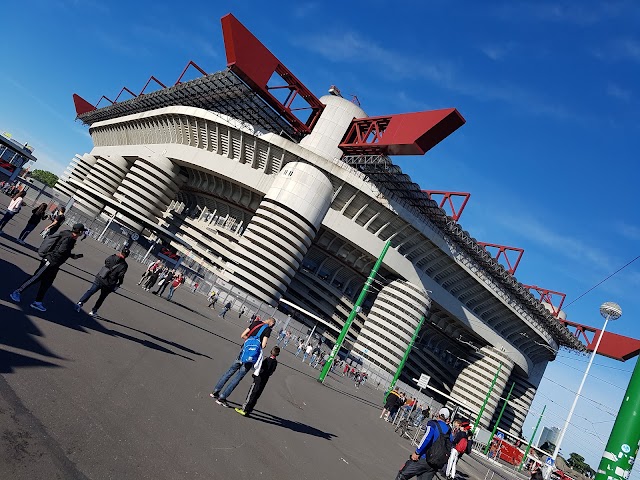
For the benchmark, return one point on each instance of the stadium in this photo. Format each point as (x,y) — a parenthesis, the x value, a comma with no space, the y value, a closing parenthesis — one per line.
(291,198)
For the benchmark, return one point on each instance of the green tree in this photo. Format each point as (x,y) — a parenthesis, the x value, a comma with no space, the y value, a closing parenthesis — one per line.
(576,461)
(45,177)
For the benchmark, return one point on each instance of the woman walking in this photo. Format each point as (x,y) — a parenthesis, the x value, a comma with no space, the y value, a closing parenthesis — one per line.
(37,215)
(13,208)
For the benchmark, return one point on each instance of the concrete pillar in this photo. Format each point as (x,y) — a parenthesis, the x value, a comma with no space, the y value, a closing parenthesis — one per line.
(391,323)
(76,171)
(281,231)
(104,178)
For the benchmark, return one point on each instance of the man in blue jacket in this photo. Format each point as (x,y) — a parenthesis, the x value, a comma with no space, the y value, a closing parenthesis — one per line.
(417,465)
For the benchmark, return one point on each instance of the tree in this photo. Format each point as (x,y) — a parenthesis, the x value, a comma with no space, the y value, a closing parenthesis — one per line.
(45,177)
(576,461)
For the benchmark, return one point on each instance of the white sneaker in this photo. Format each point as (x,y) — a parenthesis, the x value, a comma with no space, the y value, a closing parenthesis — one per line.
(92,313)
(15,296)
(78,306)
(38,306)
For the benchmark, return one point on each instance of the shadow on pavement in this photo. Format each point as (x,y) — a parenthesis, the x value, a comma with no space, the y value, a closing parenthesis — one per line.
(17,330)
(290,424)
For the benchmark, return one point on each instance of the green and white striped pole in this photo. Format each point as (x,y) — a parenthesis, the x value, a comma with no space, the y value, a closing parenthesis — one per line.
(622,448)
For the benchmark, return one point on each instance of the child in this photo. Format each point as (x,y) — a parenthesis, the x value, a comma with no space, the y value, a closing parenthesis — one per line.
(263,370)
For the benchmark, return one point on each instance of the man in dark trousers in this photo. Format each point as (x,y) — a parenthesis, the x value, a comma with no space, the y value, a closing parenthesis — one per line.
(417,465)
(57,251)
(239,368)
(263,370)
(108,279)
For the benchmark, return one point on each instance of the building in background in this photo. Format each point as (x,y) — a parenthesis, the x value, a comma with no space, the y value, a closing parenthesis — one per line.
(292,197)
(549,434)
(13,157)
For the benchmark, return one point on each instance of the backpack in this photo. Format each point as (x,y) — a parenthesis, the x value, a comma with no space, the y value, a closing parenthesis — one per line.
(252,346)
(438,454)
(461,446)
(48,244)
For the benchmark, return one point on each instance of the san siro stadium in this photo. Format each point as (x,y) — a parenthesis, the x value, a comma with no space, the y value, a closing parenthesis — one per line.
(292,198)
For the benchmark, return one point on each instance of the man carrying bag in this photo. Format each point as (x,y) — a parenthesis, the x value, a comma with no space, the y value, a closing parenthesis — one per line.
(255,339)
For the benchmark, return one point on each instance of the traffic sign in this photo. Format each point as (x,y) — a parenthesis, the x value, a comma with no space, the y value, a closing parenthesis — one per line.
(500,435)
(549,461)
(423,381)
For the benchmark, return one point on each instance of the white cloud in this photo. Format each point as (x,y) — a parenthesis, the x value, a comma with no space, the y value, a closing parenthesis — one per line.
(350,46)
(618,92)
(576,13)
(497,52)
(632,232)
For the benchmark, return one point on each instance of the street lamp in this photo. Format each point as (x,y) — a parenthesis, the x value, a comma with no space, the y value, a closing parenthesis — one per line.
(610,311)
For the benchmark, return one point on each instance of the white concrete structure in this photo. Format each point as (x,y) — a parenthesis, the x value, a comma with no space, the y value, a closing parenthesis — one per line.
(291,220)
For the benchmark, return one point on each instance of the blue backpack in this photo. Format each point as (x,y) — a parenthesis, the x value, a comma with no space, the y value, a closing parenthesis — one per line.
(252,346)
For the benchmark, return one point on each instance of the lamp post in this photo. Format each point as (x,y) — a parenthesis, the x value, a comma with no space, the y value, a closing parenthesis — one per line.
(610,311)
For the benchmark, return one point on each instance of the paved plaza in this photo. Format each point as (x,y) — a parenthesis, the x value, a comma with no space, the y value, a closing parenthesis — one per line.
(126,395)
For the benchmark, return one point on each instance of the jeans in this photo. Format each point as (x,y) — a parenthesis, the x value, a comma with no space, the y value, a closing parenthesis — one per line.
(304,357)
(27,230)
(7,216)
(298,351)
(240,369)
(172,290)
(105,290)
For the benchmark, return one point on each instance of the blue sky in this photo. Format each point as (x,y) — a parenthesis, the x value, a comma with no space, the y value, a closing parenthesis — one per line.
(549,91)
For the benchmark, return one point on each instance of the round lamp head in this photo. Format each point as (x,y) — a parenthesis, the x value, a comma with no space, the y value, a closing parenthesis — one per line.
(611,310)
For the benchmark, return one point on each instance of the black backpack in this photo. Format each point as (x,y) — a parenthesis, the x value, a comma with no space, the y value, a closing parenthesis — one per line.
(48,244)
(438,454)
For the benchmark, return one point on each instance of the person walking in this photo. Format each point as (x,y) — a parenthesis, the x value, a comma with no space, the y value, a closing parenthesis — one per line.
(58,218)
(213,298)
(14,207)
(238,369)
(460,442)
(165,278)
(263,371)
(225,309)
(307,352)
(37,215)
(195,287)
(152,267)
(177,281)
(432,452)
(107,280)
(300,347)
(54,251)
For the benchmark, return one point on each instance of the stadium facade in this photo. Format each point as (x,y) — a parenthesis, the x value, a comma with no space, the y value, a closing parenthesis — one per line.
(299,209)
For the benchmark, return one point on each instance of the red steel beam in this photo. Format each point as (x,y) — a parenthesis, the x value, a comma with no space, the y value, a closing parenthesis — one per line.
(547,296)
(447,200)
(400,134)
(502,250)
(149,81)
(106,98)
(190,64)
(612,345)
(250,60)
(123,90)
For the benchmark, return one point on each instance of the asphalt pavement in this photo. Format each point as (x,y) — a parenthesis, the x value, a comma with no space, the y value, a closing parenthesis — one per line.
(126,395)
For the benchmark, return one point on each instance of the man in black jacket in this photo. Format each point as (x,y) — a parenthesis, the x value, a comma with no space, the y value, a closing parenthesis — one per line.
(50,264)
(108,280)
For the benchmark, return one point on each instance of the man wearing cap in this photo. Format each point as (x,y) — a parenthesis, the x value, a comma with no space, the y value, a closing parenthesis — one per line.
(417,465)
(108,279)
(58,252)
(460,442)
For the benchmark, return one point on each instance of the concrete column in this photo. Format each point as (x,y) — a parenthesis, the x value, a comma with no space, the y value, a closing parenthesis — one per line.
(104,178)
(281,231)
(148,189)
(393,319)
(473,383)
(76,171)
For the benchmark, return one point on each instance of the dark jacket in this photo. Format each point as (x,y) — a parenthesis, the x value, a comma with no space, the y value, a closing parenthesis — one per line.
(36,216)
(61,251)
(268,367)
(117,268)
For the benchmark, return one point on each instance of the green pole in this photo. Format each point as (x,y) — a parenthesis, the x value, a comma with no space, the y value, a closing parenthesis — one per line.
(495,427)
(352,315)
(404,359)
(622,448)
(486,399)
(535,430)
